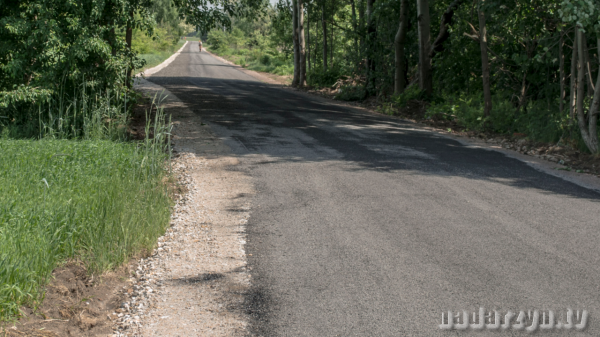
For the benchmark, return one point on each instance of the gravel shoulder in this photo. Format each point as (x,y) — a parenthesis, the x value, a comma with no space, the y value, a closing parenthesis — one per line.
(194,283)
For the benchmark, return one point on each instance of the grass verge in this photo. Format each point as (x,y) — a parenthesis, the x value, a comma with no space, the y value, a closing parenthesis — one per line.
(156,57)
(257,60)
(96,200)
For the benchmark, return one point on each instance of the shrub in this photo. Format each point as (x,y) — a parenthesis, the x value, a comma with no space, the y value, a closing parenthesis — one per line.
(319,78)
(265,59)
(409,94)
(351,93)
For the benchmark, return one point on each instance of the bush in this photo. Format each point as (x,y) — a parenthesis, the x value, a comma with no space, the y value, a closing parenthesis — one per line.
(217,39)
(409,94)
(319,78)
(265,59)
(351,93)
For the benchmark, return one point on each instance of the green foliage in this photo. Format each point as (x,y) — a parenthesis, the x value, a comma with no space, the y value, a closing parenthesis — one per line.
(411,93)
(249,44)
(48,44)
(540,122)
(218,39)
(97,199)
(319,78)
(583,13)
(81,191)
(350,93)
(163,40)
(157,48)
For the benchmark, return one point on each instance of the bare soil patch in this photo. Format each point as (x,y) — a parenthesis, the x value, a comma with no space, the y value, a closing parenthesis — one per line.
(76,304)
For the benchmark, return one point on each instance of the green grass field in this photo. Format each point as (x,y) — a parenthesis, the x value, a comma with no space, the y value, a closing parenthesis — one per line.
(97,200)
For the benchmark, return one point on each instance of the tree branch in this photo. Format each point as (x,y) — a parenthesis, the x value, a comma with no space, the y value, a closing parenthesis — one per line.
(446,21)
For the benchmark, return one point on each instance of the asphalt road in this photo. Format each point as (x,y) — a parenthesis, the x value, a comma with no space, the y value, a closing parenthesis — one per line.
(365,225)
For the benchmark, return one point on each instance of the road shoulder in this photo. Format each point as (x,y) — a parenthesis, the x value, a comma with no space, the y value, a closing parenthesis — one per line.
(194,283)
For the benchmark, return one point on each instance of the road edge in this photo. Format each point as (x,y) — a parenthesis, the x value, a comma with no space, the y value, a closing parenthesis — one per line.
(164,64)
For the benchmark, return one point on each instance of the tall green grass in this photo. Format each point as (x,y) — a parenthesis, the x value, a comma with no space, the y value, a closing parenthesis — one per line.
(82,191)
(156,57)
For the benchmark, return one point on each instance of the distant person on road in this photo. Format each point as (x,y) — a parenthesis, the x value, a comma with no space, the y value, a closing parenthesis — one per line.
(200,45)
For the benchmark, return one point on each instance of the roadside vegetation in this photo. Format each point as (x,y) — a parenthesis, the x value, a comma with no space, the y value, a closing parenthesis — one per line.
(165,37)
(154,52)
(255,44)
(74,183)
(99,201)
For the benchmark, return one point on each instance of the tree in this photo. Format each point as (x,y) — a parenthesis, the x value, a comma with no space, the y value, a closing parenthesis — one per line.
(424,23)
(324,27)
(561,60)
(42,54)
(485,63)
(301,45)
(584,14)
(573,85)
(371,37)
(587,127)
(400,60)
(295,16)
(445,23)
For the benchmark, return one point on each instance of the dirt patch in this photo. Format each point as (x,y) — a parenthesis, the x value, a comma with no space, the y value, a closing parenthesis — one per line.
(76,304)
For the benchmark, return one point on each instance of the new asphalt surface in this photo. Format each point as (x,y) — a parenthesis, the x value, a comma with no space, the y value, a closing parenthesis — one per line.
(366,225)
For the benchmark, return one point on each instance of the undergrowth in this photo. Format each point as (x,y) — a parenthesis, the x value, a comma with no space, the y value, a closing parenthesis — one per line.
(538,120)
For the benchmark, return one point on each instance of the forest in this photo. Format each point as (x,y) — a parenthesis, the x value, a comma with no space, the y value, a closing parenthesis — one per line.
(503,66)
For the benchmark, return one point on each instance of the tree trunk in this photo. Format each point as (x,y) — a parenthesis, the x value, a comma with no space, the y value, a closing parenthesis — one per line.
(371,31)
(301,44)
(485,64)
(424,22)
(361,25)
(573,87)
(588,128)
(112,39)
(128,40)
(332,43)
(400,62)
(523,92)
(445,23)
(561,58)
(324,26)
(296,78)
(308,39)
(354,27)
(588,72)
